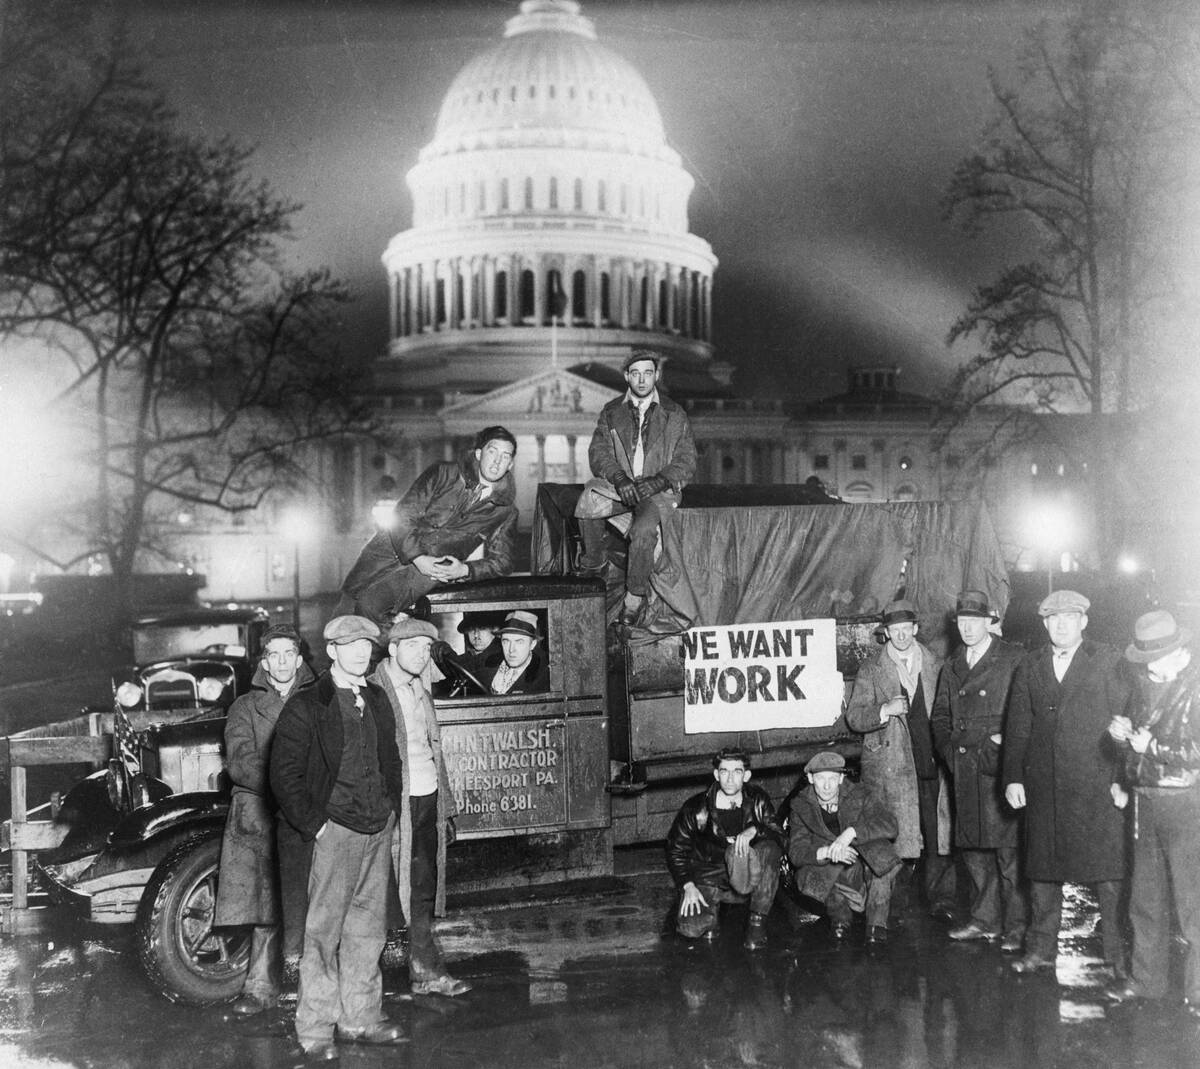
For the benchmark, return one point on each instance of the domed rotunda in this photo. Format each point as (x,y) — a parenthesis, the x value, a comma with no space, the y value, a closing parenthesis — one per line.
(550,223)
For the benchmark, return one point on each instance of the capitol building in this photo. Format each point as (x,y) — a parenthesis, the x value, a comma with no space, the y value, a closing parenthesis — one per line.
(550,237)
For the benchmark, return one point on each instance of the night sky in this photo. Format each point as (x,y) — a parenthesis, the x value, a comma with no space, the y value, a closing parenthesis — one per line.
(821,136)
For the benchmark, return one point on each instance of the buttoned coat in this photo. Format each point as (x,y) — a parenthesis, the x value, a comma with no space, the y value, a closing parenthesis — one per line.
(858,808)
(248,888)
(447,808)
(1056,744)
(967,711)
(887,761)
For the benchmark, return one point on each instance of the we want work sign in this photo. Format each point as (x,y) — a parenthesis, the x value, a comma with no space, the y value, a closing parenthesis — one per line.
(754,677)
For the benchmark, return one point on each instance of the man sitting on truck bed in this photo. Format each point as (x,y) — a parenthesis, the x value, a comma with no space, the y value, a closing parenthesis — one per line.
(725,846)
(642,454)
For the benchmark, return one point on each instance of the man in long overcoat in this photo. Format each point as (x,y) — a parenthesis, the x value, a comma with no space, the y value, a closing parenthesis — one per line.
(249,888)
(1059,766)
(968,726)
(889,706)
(427,808)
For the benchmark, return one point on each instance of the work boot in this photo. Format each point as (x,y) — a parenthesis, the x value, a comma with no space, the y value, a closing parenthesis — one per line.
(248,1006)
(756,932)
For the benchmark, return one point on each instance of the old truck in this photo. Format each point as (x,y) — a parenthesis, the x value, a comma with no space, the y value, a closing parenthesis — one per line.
(547,784)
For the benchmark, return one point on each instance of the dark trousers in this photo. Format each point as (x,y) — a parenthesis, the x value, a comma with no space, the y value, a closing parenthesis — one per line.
(379,585)
(643,534)
(1045,907)
(755,877)
(425,961)
(1166,859)
(262,977)
(878,899)
(997,901)
(938,874)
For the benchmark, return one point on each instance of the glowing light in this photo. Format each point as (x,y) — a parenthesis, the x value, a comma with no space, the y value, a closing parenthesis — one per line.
(1128,565)
(383,513)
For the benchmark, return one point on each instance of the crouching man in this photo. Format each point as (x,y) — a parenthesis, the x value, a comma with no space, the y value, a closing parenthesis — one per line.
(841,842)
(725,846)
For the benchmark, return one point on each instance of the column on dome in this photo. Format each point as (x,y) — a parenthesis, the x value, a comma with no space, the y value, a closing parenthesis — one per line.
(418,292)
(672,296)
(623,281)
(652,294)
(705,307)
(487,303)
(594,310)
(392,312)
(541,457)
(684,308)
(437,308)
(453,310)
(539,291)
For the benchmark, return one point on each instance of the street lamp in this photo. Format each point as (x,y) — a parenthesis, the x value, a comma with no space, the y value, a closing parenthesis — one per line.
(296,527)
(1050,528)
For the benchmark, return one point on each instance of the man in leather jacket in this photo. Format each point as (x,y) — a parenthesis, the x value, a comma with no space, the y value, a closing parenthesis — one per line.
(725,846)
(1161,743)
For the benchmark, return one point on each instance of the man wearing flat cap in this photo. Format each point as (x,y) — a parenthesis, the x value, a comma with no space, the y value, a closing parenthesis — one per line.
(522,668)
(889,707)
(642,455)
(841,842)
(427,810)
(336,773)
(250,890)
(1160,744)
(968,727)
(1059,768)
(724,846)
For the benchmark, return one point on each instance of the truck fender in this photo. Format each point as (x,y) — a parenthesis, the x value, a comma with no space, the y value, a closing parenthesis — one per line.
(167,817)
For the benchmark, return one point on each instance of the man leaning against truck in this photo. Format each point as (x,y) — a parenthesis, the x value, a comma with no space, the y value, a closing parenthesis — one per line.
(249,888)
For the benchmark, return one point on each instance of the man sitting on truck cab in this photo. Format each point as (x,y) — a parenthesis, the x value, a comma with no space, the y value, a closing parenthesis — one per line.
(642,454)
(725,846)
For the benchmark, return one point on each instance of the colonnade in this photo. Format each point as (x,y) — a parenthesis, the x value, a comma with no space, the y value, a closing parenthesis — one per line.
(462,293)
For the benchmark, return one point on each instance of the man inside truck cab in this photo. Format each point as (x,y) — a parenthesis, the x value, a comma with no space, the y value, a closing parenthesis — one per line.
(725,846)
(456,522)
(523,669)
(642,455)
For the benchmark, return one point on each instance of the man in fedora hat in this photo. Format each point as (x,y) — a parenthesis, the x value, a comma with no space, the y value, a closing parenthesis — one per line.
(642,454)
(522,668)
(481,647)
(841,842)
(427,809)
(1059,767)
(336,773)
(725,846)
(889,707)
(968,726)
(1160,742)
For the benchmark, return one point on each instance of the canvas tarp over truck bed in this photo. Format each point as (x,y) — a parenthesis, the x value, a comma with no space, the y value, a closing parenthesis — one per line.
(751,554)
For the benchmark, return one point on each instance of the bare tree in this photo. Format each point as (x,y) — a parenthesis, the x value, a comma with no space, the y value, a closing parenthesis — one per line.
(1086,162)
(150,262)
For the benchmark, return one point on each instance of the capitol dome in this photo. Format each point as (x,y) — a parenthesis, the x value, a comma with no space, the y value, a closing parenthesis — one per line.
(549,221)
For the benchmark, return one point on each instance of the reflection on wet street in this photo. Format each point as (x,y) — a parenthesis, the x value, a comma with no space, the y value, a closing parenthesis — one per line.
(595,981)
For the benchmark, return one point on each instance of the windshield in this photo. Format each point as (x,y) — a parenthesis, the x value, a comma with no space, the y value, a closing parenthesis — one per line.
(164,643)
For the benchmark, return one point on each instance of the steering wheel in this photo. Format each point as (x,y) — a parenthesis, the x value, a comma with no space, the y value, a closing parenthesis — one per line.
(463,682)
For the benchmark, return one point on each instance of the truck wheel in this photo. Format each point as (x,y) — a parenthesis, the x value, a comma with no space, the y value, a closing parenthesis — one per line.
(183,958)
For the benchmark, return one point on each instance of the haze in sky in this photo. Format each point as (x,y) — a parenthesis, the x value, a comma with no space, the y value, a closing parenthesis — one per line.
(821,135)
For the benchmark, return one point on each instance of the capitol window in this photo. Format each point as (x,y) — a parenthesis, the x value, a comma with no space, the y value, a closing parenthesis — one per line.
(553,190)
(528,193)
(601,197)
(578,194)
(504,194)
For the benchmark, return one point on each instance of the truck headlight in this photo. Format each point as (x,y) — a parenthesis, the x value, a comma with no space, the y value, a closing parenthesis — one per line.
(210,689)
(128,695)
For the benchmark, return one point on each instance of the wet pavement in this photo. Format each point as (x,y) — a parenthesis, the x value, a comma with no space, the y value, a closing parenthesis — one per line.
(594,980)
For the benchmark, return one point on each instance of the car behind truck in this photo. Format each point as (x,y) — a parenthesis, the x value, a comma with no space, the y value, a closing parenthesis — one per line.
(547,784)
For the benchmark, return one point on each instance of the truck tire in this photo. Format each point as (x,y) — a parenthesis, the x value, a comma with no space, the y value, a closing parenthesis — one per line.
(181,955)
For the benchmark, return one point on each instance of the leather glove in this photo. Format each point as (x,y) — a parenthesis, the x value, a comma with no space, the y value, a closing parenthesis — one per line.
(650,485)
(627,489)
